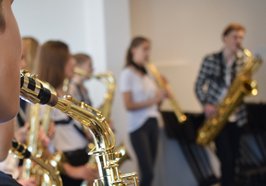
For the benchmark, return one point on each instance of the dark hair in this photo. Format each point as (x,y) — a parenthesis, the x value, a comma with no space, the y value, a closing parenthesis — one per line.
(137,41)
(81,58)
(2,19)
(52,61)
(233,27)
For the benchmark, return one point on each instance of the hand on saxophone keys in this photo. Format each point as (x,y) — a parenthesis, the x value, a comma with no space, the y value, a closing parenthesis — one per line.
(209,110)
(160,96)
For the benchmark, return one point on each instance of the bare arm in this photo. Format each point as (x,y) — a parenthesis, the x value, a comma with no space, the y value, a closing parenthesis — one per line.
(131,105)
(6,135)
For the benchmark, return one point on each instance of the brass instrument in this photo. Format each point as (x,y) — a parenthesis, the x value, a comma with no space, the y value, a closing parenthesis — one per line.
(104,140)
(165,86)
(50,173)
(46,116)
(66,85)
(122,153)
(109,80)
(32,138)
(242,86)
(35,147)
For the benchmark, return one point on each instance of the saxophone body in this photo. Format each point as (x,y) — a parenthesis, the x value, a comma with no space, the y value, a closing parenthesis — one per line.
(104,140)
(109,80)
(50,175)
(242,86)
(165,86)
(32,138)
(44,177)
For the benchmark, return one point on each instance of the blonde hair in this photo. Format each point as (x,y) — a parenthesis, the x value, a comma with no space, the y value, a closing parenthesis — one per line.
(30,50)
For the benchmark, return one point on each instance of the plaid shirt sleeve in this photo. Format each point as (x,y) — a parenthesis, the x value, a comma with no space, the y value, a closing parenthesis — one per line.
(203,79)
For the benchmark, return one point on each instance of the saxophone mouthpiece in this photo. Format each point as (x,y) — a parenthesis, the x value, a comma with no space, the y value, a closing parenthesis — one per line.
(24,153)
(33,90)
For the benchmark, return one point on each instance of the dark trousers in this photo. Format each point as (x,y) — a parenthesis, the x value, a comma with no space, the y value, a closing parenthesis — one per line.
(145,142)
(227,145)
(7,180)
(75,158)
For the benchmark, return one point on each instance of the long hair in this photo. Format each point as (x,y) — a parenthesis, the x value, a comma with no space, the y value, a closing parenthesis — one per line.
(30,49)
(52,61)
(137,41)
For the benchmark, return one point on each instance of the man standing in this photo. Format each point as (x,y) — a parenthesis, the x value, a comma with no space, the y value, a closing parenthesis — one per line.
(217,72)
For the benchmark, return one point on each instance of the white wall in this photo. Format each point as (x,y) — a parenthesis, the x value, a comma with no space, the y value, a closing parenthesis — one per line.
(78,23)
(184,31)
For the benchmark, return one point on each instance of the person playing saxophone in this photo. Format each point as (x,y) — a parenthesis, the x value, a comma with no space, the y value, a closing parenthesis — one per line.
(55,65)
(77,88)
(216,74)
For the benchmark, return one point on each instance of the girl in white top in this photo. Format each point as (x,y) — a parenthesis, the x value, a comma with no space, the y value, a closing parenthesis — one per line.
(141,98)
(55,65)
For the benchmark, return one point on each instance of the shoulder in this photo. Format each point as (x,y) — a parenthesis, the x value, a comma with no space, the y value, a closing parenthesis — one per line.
(127,73)
(212,60)
(216,56)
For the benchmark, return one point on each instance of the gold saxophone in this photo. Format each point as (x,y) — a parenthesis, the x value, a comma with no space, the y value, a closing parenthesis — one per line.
(165,86)
(51,176)
(104,140)
(109,80)
(242,86)
(36,149)
(32,138)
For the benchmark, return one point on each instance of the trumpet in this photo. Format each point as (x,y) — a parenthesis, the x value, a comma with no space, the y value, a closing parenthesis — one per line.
(105,154)
(182,118)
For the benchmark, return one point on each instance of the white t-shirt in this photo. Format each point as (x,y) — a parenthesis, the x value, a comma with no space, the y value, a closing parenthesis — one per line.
(142,88)
(67,137)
